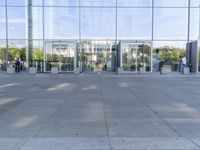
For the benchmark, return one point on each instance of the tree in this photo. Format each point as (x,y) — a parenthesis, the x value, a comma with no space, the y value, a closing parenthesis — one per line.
(169,54)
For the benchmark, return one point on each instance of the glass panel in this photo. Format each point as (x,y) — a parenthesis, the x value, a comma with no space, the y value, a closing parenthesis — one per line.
(136,55)
(171,3)
(36,54)
(2,2)
(194,24)
(194,3)
(17,22)
(171,23)
(135,3)
(134,23)
(199,55)
(61,23)
(37,24)
(129,56)
(144,56)
(98,2)
(98,23)
(169,52)
(2,55)
(2,23)
(17,49)
(61,2)
(49,57)
(36,2)
(17,2)
(67,56)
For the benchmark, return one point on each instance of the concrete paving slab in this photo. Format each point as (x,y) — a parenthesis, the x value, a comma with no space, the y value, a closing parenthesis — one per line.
(185,127)
(152,143)
(139,128)
(66,143)
(12,143)
(73,128)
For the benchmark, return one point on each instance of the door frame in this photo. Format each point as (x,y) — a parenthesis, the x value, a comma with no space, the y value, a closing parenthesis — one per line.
(136,42)
(60,42)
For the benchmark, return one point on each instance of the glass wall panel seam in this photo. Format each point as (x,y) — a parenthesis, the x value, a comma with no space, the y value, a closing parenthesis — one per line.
(7,50)
(188,32)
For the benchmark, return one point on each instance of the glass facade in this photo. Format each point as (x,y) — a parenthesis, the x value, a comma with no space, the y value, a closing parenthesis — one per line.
(36,29)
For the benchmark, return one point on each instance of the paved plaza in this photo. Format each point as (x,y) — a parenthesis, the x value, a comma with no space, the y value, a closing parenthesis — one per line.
(99,112)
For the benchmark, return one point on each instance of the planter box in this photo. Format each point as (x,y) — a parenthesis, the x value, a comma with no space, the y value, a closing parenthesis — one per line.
(32,70)
(10,70)
(54,70)
(142,70)
(186,70)
(77,70)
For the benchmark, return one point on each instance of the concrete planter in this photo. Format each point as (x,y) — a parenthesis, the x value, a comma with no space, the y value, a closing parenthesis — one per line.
(10,70)
(32,70)
(77,70)
(54,70)
(142,70)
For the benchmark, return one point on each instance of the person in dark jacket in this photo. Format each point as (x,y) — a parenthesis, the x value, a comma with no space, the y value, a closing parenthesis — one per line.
(17,64)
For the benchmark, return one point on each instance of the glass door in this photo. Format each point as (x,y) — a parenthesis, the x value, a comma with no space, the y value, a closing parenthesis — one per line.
(96,56)
(135,55)
(59,54)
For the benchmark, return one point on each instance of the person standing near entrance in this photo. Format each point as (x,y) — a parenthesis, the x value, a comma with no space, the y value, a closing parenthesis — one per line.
(184,62)
(17,64)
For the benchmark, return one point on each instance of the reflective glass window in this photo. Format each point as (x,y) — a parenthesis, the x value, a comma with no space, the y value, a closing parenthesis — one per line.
(98,23)
(2,55)
(98,2)
(36,54)
(134,23)
(2,2)
(199,56)
(2,23)
(17,48)
(171,3)
(17,22)
(194,3)
(17,2)
(37,23)
(194,23)
(61,2)
(36,2)
(171,23)
(61,23)
(135,3)
(169,52)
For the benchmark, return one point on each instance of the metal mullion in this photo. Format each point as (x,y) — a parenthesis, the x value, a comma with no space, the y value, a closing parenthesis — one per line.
(7,49)
(188,32)
(152,37)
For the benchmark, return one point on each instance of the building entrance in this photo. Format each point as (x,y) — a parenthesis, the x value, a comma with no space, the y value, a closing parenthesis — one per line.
(97,56)
(60,54)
